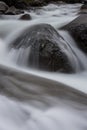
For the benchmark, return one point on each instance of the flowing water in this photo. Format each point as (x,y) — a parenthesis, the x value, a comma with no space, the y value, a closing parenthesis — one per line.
(38,100)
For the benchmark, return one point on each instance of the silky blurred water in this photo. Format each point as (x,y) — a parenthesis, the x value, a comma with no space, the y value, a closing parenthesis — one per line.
(37,100)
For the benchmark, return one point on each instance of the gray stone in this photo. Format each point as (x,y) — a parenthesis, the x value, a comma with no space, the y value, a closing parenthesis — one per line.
(47,48)
(3,7)
(78,29)
(13,11)
(25,17)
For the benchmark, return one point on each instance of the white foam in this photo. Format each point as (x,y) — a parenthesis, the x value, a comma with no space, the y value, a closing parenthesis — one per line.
(21,116)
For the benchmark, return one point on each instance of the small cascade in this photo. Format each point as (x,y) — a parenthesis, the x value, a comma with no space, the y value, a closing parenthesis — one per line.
(80,59)
(69,48)
(38,100)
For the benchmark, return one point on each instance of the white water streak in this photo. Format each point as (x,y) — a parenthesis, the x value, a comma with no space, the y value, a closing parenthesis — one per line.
(20,116)
(59,115)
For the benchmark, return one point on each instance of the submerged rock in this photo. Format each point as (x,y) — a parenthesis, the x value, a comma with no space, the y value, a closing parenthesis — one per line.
(25,17)
(46,48)
(78,29)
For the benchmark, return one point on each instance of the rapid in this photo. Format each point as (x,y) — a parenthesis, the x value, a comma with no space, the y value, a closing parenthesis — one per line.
(38,100)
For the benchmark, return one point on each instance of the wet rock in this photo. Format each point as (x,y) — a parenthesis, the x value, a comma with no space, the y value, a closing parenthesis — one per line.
(25,17)
(67,1)
(40,2)
(37,3)
(24,4)
(84,7)
(61,2)
(83,11)
(78,29)
(3,7)
(45,48)
(13,11)
(19,4)
(84,1)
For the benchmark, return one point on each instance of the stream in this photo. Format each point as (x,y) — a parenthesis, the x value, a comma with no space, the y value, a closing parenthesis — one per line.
(31,99)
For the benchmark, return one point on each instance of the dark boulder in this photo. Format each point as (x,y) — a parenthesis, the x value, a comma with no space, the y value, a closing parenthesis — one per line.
(25,17)
(78,29)
(37,3)
(84,7)
(84,1)
(24,4)
(13,11)
(3,7)
(67,1)
(47,49)
(20,4)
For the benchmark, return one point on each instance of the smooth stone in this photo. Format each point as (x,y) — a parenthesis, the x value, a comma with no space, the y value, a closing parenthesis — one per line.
(45,48)
(78,29)
(25,17)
